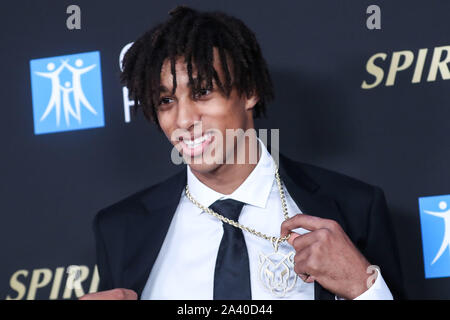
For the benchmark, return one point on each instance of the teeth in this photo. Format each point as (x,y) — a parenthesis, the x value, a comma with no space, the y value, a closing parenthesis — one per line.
(196,142)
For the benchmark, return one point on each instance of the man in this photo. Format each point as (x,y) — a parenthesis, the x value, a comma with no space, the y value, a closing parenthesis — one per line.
(229,229)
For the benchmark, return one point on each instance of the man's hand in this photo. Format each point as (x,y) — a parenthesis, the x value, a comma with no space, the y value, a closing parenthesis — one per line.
(115,294)
(327,255)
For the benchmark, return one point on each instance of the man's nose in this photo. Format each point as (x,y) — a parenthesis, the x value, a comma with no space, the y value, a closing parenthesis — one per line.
(188,113)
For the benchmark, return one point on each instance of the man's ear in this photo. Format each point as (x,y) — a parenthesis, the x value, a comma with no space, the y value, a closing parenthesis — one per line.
(251,102)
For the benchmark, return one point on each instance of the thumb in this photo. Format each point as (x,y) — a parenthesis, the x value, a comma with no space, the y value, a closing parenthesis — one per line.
(292,238)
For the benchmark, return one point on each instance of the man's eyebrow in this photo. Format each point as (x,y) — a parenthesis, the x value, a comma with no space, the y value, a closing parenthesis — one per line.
(163,89)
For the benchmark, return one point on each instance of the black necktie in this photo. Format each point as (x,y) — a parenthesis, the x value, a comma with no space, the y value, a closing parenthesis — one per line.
(232,272)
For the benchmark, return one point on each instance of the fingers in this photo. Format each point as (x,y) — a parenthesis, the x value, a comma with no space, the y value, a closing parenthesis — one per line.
(309,279)
(293,236)
(114,294)
(307,248)
(305,221)
(308,259)
(301,241)
(301,267)
(306,277)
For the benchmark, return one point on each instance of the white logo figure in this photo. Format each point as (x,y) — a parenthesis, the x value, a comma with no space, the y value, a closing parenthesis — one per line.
(76,83)
(446,216)
(76,89)
(66,103)
(55,97)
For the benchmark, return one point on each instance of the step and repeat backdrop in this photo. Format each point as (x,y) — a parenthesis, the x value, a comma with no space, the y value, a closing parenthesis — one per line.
(362,88)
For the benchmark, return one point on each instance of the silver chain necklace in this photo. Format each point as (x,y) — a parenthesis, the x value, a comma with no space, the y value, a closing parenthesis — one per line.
(276,270)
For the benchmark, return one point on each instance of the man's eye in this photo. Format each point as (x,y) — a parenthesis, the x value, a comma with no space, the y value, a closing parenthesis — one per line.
(164,100)
(202,92)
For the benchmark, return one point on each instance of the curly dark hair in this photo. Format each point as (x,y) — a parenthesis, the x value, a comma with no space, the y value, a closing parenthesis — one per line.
(193,34)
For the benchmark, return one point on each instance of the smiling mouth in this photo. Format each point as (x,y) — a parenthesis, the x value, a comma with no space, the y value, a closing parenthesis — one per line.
(195,147)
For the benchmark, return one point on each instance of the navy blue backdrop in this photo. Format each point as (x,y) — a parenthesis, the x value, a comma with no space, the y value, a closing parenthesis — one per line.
(394,136)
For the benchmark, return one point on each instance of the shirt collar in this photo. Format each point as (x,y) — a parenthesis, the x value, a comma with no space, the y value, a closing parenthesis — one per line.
(255,190)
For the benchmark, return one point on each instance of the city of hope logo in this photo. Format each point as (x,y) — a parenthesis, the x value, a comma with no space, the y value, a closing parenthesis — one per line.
(67,92)
(435,224)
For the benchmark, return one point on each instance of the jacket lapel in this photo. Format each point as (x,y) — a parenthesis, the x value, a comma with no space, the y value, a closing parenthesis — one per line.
(306,194)
(149,230)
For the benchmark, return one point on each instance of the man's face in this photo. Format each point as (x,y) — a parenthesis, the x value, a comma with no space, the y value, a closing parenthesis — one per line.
(195,122)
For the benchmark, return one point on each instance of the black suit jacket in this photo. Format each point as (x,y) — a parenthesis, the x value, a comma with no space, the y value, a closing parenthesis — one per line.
(130,233)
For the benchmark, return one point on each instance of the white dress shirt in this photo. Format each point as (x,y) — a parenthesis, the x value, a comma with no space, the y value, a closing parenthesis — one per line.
(184,268)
